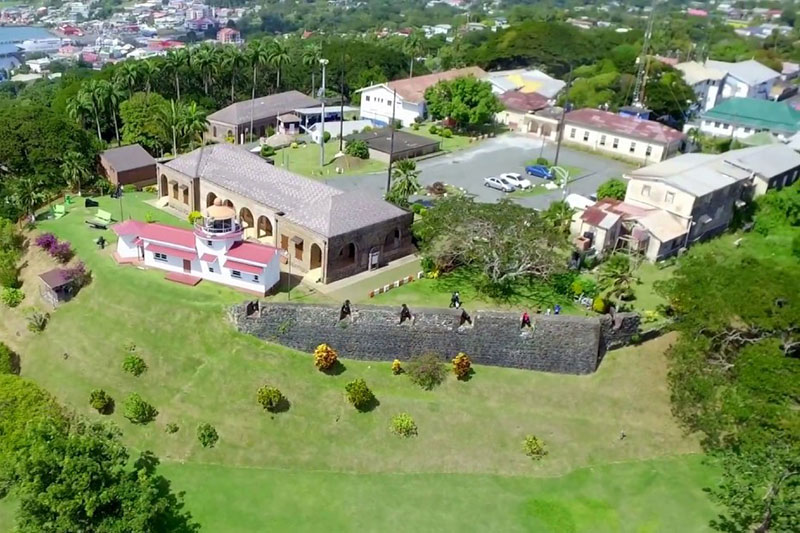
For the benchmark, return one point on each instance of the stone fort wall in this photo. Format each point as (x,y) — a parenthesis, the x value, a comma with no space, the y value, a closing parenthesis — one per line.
(563,344)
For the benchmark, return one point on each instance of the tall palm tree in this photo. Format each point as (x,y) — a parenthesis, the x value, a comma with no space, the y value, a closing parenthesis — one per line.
(278,57)
(405,182)
(234,61)
(558,216)
(311,56)
(173,62)
(616,276)
(27,193)
(128,74)
(414,46)
(90,98)
(74,170)
(111,96)
(206,61)
(148,71)
(193,123)
(170,119)
(79,109)
(258,56)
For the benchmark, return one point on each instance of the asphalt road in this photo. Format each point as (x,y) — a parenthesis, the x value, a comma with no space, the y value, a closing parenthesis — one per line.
(507,153)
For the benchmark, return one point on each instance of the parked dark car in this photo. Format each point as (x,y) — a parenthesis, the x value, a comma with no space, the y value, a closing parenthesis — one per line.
(539,171)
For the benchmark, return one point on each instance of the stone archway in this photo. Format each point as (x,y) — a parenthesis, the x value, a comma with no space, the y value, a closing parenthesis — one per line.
(316,256)
(246,218)
(228,203)
(347,255)
(392,239)
(164,186)
(210,197)
(264,228)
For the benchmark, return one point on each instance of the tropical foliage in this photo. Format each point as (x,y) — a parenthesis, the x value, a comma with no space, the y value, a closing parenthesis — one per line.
(325,357)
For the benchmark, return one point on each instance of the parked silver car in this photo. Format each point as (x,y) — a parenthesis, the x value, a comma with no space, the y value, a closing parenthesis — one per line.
(500,184)
(517,180)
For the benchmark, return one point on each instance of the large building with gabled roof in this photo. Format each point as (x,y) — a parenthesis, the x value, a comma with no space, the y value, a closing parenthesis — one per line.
(323,229)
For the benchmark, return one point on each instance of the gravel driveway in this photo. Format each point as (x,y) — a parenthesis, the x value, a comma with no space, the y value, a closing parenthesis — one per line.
(507,153)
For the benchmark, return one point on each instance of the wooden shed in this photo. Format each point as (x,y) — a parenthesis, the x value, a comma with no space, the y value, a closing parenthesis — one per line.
(128,165)
(56,286)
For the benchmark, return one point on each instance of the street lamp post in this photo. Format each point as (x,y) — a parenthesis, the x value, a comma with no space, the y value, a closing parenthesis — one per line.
(322,62)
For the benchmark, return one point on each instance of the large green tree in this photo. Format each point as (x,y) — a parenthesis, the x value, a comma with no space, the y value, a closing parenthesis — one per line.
(468,101)
(140,122)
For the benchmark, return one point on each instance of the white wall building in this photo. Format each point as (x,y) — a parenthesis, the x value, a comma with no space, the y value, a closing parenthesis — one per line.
(379,105)
(213,251)
(716,81)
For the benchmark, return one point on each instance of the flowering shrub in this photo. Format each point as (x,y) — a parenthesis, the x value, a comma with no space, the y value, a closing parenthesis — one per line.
(397,368)
(270,398)
(534,447)
(404,425)
(207,435)
(46,241)
(325,357)
(78,275)
(62,252)
(462,366)
(359,394)
(12,297)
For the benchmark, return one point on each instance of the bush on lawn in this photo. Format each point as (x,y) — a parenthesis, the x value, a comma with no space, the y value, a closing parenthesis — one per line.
(462,366)
(446,133)
(585,287)
(171,428)
(359,394)
(542,161)
(134,364)
(534,447)
(426,370)
(434,129)
(46,241)
(415,126)
(326,136)
(100,400)
(267,150)
(599,305)
(9,273)
(270,398)
(9,360)
(194,216)
(150,189)
(38,321)
(357,148)
(12,297)
(404,425)
(325,357)
(139,411)
(129,188)
(62,252)
(397,367)
(207,435)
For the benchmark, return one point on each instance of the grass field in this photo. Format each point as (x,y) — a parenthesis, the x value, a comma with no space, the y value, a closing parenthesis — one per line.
(452,144)
(323,466)
(304,160)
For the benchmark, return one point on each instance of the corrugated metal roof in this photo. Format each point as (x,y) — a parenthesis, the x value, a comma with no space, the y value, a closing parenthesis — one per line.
(264,107)
(757,114)
(633,127)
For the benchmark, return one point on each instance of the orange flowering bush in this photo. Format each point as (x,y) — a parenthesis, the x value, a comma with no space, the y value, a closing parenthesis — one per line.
(397,367)
(325,357)
(462,366)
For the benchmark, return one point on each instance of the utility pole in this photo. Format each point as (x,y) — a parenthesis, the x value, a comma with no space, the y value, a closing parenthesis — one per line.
(563,117)
(391,146)
(341,107)
(322,62)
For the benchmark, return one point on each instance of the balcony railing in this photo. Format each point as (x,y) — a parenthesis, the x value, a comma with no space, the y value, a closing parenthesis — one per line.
(217,228)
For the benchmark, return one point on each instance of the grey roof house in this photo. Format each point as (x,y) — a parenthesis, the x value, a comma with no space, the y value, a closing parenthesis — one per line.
(233,122)
(340,233)
(404,145)
(128,165)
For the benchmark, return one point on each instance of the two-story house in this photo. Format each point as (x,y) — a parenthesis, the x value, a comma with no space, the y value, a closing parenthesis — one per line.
(404,100)
(716,81)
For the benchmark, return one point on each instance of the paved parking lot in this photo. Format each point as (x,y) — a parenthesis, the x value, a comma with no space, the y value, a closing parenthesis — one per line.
(507,153)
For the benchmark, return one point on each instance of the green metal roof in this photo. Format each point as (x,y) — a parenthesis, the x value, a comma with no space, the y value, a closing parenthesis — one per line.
(757,114)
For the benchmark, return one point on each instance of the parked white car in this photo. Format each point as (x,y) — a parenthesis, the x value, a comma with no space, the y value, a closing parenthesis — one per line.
(498,183)
(517,180)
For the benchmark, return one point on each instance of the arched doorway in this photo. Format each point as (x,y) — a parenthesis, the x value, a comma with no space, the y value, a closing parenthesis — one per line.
(347,255)
(210,197)
(392,239)
(164,186)
(264,227)
(316,256)
(229,204)
(246,218)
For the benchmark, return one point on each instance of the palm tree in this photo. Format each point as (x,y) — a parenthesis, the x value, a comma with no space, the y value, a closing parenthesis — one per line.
(233,60)
(414,46)
(90,99)
(193,123)
(170,117)
(74,170)
(148,71)
(278,57)
(311,56)
(27,193)
(405,182)
(258,55)
(78,110)
(173,62)
(206,61)
(111,95)
(128,74)
(616,277)
(558,216)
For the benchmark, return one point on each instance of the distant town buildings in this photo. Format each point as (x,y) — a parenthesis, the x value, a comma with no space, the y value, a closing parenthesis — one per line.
(715,81)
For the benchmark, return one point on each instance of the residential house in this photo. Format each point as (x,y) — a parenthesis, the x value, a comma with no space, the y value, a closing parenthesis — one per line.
(229,36)
(214,250)
(329,234)
(525,81)
(741,117)
(385,145)
(233,121)
(378,101)
(624,136)
(716,81)
(519,109)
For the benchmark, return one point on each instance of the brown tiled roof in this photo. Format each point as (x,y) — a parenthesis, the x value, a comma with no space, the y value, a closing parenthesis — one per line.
(413,89)
(524,102)
(635,128)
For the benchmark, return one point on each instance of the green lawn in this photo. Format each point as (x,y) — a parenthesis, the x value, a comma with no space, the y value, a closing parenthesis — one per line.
(456,142)
(536,190)
(323,466)
(305,160)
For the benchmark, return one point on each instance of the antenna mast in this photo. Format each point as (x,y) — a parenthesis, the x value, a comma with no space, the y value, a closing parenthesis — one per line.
(641,72)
